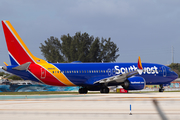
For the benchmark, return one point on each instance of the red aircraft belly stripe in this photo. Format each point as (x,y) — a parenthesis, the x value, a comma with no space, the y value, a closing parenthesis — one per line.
(43,75)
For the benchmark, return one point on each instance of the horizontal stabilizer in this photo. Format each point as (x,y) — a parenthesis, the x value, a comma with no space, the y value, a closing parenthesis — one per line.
(24,66)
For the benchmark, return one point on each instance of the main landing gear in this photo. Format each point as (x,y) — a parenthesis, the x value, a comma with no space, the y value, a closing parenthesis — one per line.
(161,89)
(126,85)
(83,90)
(104,90)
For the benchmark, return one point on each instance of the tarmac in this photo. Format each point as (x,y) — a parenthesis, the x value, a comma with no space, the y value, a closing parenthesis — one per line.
(90,106)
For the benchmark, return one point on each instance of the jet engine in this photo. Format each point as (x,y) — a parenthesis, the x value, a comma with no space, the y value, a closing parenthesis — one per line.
(134,83)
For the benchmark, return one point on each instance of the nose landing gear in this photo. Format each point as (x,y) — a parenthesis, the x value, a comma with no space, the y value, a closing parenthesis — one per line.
(161,89)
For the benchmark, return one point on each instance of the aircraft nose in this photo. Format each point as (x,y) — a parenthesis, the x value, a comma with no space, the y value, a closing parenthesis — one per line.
(175,75)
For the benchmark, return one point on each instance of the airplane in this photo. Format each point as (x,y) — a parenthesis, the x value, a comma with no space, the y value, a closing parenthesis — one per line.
(88,76)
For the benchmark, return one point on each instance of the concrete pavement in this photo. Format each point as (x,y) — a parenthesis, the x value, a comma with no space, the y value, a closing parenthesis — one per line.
(91,106)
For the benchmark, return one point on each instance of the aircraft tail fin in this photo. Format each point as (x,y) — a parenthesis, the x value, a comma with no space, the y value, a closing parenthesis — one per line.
(18,52)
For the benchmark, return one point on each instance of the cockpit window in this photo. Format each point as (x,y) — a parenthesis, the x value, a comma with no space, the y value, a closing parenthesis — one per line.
(170,70)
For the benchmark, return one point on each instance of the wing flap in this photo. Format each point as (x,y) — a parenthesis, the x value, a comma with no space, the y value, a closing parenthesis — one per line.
(118,78)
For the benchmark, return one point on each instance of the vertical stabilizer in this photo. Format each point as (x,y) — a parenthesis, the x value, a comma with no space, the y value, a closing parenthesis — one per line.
(18,51)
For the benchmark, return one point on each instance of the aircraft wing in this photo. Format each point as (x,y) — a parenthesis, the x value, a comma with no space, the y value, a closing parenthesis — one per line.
(118,78)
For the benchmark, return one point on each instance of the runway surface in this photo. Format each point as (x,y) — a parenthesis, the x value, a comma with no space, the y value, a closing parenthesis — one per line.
(90,106)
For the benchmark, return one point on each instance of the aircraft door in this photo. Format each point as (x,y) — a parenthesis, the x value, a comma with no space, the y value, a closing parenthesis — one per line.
(109,72)
(164,71)
(43,73)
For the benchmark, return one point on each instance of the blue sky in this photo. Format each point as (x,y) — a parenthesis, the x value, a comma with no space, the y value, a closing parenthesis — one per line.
(146,28)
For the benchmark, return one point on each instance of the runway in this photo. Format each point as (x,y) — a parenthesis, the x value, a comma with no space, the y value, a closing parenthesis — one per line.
(90,106)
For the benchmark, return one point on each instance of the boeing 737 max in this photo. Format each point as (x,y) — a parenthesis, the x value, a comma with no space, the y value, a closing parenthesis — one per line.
(89,76)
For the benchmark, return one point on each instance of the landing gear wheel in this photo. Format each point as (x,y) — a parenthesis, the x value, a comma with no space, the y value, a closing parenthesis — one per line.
(83,90)
(126,85)
(161,88)
(104,90)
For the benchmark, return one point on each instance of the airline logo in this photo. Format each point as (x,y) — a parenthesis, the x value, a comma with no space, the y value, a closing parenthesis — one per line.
(148,70)
(137,82)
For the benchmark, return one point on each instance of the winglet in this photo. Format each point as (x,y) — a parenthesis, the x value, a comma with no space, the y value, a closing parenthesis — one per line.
(139,64)
(5,64)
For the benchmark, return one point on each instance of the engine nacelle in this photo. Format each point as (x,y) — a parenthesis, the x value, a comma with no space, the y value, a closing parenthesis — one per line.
(134,83)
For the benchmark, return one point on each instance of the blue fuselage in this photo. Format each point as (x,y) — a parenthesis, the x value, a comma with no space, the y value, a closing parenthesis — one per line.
(88,73)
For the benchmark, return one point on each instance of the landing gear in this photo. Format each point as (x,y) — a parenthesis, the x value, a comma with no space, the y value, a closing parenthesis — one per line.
(83,90)
(104,90)
(161,88)
(126,85)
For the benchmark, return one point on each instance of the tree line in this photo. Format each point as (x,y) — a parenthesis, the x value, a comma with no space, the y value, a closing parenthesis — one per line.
(80,47)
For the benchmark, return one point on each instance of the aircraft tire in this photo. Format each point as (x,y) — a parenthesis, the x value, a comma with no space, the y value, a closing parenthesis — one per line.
(126,85)
(107,90)
(83,90)
(104,90)
(161,90)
